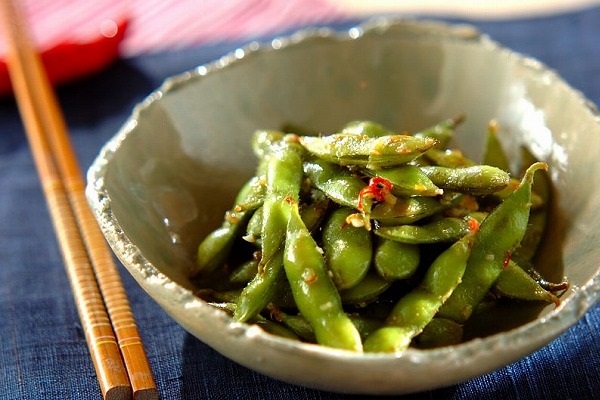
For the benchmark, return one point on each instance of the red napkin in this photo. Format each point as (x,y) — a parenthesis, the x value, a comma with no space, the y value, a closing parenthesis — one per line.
(78,37)
(75,38)
(72,59)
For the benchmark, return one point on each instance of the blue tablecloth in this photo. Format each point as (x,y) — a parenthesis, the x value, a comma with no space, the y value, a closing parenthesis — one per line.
(43,353)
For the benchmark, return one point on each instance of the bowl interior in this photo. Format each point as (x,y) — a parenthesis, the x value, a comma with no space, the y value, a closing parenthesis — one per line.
(175,167)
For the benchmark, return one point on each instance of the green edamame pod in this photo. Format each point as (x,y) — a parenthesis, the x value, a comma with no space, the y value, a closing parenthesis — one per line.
(337,182)
(440,332)
(254,226)
(476,179)
(224,296)
(499,234)
(443,132)
(494,154)
(264,141)
(384,151)
(282,298)
(313,213)
(534,234)
(440,230)
(366,290)
(348,250)
(284,179)
(214,248)
(407,210)
(448,158)
(516,283)
(447,270)
(261,289)
(407,180)
(538,219)
(417,308)
(315,294)
(365,325)
(366,128)
(229,308)
(266,324)
(394,260)
(281,294)
(256,196)
(275,328)
(244,272)
(299,325)
(536,200)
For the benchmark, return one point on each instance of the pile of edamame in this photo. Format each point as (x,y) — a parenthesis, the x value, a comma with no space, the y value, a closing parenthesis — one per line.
(371,240)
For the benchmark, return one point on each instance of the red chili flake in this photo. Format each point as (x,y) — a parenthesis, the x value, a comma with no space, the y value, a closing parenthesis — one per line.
(473,224)
(290,200)
(506,260)
(378,188)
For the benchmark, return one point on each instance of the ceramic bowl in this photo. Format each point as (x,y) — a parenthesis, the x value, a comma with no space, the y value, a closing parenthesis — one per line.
(166,178)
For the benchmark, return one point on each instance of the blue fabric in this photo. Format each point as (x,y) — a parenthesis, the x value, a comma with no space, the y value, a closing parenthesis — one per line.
(43,354)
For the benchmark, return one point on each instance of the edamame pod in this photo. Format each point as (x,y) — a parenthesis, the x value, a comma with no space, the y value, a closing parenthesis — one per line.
(443,132)
(494,154)
(499,234)
(284,178)
(366,128)
(394,260)
(417,308)
(337,182)
(297,324)
(224,296)
(449,158)
(538,219)
(384,151)
(348,250)
(440,332)
(275,328)
(266,324)
(407,180)
(406,210)
(300,326)
(244,272)
(264,141)
(314,292)
(366,291)
(214,249)
(256,195)
(261,289)
(440,230)
(254,226)
(314,212)
(516,283)
(476,179)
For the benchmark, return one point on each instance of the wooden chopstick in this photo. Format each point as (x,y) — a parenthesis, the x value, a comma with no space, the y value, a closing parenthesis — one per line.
(113,338)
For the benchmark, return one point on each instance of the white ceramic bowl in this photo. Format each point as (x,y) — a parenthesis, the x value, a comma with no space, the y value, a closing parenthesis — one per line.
(168,175)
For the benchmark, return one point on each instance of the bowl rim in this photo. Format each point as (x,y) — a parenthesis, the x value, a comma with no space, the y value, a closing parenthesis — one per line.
(544,329)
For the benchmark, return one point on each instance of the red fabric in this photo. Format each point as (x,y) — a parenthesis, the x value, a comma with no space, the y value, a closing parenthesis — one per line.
(72,60)
(68,32)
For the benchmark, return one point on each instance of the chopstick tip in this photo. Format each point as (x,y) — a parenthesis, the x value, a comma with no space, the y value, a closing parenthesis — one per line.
(146,394)
(120,392)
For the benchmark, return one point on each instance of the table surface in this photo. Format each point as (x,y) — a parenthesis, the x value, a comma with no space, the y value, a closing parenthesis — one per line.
(43,353)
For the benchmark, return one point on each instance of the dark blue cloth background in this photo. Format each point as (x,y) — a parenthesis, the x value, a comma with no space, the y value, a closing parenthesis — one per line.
(43,354)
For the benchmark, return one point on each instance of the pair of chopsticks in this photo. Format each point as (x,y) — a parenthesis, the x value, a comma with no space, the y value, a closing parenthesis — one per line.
(113,339)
